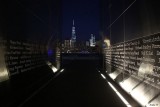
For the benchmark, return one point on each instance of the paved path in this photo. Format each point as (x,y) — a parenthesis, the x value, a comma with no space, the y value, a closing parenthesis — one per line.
(79,85)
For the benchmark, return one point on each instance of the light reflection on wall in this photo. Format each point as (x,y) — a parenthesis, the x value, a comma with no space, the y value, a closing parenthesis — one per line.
(54,69)
(137,65)
(4,75)
(144,69)
(58,53)
(107,42)
(140,86)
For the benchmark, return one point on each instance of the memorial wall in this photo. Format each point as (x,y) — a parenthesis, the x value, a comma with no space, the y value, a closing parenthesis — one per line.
(29,35)
(23,56)
(139,57)
(30,32)
(132,51)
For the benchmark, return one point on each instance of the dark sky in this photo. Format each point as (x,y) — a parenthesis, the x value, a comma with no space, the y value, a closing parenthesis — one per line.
(30,19)
(86,16)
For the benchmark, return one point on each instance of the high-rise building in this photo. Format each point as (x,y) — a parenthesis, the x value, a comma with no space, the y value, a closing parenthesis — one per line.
(92,41)
(87,43)
(67,43)
(73,39)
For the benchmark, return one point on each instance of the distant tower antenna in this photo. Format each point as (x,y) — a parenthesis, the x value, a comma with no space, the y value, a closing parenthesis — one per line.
(73,22)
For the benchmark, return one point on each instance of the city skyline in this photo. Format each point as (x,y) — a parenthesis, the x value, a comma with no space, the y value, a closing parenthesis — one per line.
(73,35)
(86,18)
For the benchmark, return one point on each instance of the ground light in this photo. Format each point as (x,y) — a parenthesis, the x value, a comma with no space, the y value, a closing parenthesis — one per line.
(121,97)
(126,86)
(61,70)
(115,90)
(103,76)
(54,69)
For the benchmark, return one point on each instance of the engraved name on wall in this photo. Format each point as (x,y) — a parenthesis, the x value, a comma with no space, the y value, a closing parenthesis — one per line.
(139,57)
(22,56)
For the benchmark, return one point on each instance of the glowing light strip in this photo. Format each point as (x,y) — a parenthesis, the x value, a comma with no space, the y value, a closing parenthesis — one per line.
(126,86)
(62,70)
(54,69)
(113,76)
(103,76)
(121,97)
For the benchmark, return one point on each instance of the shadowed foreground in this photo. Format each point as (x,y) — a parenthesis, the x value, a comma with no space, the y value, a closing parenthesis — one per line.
(79,85)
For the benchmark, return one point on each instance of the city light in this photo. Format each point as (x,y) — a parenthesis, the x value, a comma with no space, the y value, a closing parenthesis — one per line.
(92,41)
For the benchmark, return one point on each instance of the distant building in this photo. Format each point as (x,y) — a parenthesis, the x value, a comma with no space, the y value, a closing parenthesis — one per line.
(92,41)
(67,43)
(87,43)
(73,38)
(66,46)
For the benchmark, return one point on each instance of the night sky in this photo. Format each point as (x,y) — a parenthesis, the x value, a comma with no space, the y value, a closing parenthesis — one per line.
(86,16)
(36,18)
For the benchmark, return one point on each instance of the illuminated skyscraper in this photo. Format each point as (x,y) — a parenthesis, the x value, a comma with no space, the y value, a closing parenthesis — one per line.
(92,41)
(73,39)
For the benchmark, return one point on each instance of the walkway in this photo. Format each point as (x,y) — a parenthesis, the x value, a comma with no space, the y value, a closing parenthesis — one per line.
(79,85)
